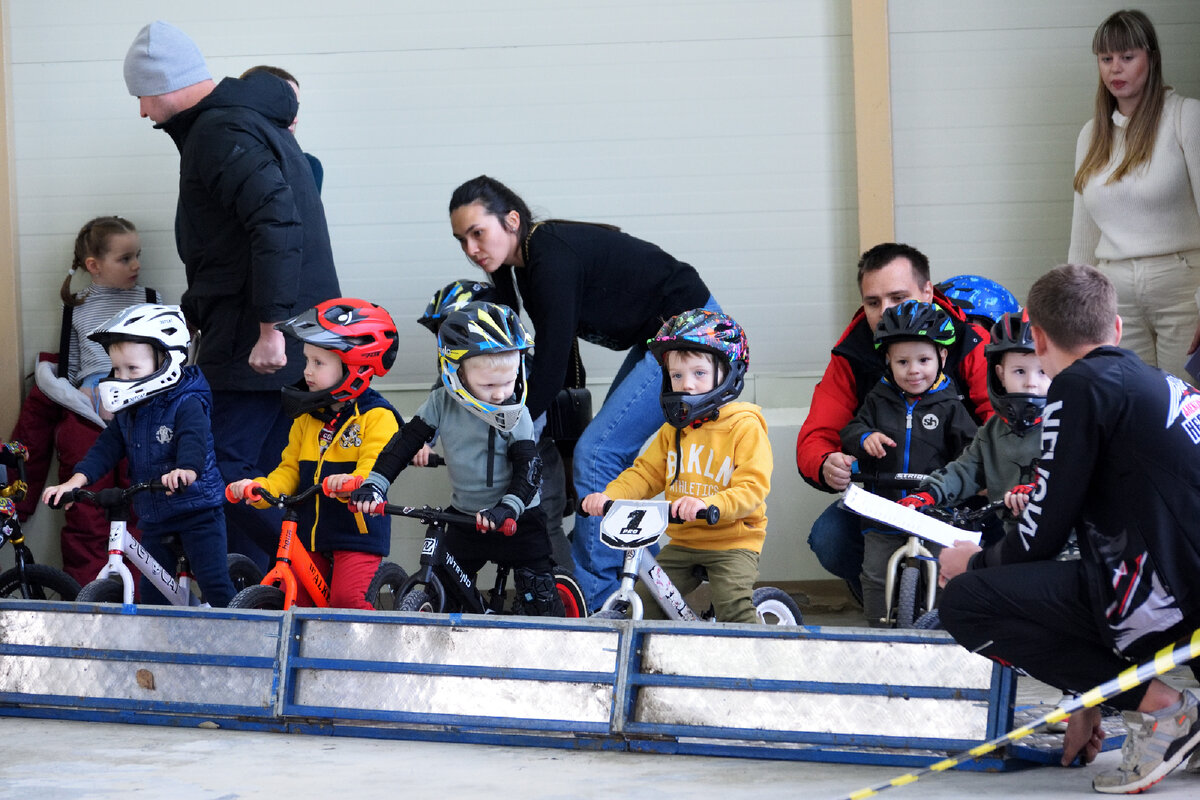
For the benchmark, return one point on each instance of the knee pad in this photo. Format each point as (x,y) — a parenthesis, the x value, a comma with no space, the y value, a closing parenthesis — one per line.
(537,594)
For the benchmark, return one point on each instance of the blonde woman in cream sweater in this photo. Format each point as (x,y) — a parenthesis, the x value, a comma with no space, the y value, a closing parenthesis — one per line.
(1137,190)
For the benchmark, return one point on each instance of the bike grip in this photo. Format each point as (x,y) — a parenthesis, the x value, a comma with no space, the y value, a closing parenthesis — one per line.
(63,499)
(711,515)
(436,461)
(349,486)
(229,498)
(509,527)
(579,508)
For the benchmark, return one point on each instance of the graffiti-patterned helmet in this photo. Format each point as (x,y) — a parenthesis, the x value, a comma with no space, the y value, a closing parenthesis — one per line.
(982,299)
(704,331)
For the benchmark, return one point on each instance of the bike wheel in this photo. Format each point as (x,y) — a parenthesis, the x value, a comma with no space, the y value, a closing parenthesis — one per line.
(45,583)
(572,597)
(108,589)
(384,591)
(776,607)
(906,608)
(419,600)
(612,613)
(929,621)
(269,598)
(243,571)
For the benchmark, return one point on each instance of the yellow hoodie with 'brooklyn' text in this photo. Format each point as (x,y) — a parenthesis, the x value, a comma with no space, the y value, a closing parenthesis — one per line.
(725,462)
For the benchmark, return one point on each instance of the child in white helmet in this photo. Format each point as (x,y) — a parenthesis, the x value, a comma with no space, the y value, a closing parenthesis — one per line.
(161,425)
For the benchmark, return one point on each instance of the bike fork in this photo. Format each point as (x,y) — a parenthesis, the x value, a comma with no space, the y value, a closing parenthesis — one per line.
(116,561)
(625,594)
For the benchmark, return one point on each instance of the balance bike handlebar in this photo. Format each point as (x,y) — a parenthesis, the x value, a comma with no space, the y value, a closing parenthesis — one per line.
(913,480)
(711,515)
(255,492)
(427,514)
(112,497)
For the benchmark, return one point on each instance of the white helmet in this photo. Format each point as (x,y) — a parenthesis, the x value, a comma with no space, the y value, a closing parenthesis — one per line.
(161,327)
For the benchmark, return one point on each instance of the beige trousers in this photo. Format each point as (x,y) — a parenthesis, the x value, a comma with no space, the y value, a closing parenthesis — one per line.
(1159,302)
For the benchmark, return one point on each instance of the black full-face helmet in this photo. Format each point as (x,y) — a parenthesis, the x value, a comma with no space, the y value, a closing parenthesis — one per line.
(1011,334)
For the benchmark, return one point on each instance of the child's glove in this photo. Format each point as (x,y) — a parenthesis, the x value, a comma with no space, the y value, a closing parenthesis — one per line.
(501,516)
(1024,488)
(368,494)
(918,500)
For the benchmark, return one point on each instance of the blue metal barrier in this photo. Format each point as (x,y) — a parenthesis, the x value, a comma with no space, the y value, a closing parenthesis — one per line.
(825,694)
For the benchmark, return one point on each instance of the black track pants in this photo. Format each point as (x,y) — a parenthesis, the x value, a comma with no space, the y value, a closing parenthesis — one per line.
(1038,617)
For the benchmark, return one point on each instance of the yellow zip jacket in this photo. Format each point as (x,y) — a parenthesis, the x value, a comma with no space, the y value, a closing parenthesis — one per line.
(329,525)
(726,462)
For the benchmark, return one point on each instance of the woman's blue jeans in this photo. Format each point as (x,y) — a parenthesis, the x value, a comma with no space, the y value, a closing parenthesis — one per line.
(630,415)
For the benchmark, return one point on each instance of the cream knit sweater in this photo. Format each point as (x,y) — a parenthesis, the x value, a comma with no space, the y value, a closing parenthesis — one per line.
(1152,211)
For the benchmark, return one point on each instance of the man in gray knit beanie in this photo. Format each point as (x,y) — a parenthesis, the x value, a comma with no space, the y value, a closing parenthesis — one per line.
(251,232)
(165,70)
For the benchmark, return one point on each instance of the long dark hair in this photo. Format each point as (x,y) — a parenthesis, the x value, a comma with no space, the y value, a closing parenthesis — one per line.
(499,200)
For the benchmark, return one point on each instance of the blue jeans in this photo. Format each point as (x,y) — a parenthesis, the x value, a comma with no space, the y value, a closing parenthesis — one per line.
(629,416)
(202,534)
(836,539)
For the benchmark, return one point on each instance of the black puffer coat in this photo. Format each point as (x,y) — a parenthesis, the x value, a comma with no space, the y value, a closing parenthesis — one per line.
(250,227)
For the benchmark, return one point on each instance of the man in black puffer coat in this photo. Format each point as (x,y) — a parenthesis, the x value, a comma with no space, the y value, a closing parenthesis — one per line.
(251,232)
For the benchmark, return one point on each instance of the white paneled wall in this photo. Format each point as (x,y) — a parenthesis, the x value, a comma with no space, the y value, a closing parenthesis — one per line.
(722,131)
(987,101)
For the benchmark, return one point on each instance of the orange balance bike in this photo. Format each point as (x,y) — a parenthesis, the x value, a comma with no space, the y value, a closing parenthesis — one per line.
(295,568)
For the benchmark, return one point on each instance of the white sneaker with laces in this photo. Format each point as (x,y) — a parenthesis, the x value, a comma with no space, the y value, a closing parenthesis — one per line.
(1155,745)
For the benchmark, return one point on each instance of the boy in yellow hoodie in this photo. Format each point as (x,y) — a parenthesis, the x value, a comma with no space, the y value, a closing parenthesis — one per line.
(711,451)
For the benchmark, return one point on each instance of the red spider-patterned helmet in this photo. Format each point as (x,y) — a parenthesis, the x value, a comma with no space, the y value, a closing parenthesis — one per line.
(703,331)
(361,333)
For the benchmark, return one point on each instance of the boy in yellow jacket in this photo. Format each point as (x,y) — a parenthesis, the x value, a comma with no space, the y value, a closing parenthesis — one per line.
(341,425)
(711,451)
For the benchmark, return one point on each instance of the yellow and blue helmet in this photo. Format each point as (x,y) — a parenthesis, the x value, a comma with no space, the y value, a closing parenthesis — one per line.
(452,297)
(481,329)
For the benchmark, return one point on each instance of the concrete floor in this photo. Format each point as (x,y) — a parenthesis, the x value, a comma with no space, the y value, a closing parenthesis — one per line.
(55,760)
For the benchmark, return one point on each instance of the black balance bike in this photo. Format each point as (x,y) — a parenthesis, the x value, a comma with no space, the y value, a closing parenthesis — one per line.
(27,580)
(441,585)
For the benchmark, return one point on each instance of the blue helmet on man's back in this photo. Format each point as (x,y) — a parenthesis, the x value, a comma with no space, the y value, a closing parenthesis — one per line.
(982,299)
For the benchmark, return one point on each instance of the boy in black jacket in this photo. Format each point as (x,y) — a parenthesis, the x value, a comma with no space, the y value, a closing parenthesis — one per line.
(913,420)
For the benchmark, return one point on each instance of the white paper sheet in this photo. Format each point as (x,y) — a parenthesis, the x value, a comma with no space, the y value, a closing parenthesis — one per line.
(890,513)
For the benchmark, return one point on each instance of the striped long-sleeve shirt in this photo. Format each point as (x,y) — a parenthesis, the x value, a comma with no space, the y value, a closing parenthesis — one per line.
(101,304)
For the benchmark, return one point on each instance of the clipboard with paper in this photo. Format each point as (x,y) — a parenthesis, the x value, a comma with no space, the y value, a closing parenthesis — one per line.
(894,515)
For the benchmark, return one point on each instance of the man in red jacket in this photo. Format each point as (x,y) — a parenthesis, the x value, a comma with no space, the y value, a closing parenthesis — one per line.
(888,274)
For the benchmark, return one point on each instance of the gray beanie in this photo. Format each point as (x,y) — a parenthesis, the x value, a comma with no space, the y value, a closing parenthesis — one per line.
(162,59)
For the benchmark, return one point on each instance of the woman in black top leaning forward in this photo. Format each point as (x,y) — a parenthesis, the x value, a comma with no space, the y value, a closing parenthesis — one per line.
(594,282)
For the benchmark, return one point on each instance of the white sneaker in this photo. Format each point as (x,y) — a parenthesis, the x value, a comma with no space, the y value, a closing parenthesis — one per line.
(1193,765)
(1155,745)
(1061,727)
